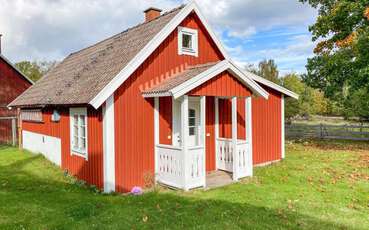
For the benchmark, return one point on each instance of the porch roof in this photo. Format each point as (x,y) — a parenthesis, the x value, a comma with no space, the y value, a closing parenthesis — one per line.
(195,76)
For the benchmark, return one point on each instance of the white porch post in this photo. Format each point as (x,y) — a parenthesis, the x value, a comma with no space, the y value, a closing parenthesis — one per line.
(156,135)
(109,145)
(216,101)
(283,131)
(184,139)
(203,135)
(234,138)
(249,135)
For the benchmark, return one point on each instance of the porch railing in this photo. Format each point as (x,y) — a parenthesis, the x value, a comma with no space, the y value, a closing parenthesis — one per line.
(225,156)
(173,171)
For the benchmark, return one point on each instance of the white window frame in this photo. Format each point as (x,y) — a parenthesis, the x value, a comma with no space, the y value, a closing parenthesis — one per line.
(72,113)
(195,42)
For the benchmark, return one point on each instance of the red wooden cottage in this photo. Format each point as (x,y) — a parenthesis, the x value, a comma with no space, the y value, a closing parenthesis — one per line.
(162,98)
(12,84)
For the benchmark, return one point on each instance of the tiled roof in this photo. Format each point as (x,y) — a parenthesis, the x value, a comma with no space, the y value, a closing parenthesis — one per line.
(83,74)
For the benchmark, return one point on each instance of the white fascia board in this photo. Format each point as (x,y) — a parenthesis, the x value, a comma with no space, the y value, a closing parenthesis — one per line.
(199,79)
(214,71)
(254,87)
(136,62)
(272,85)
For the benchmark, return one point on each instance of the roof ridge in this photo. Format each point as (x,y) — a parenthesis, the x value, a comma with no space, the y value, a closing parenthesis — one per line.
(129,29)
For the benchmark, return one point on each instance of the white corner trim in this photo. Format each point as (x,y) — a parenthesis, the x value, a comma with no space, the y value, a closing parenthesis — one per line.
(156,135)
(213,72)
(234,139)
(72,112)
(249,133)
(282,127)
(109,145)
(136,62)
(272,85)
(195,41)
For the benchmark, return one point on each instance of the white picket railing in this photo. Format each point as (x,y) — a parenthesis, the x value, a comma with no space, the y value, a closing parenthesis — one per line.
(244,158)
(171,170)
(225,154)
(196,167)
(170,166)
(225,157)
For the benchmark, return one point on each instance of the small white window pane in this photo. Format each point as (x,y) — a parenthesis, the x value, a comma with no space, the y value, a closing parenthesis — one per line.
(192,131)
(82,120)
(191,113)
(75,142)
(187,41)
(192,122)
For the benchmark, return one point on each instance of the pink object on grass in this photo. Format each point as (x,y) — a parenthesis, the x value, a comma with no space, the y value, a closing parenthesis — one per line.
(136,191)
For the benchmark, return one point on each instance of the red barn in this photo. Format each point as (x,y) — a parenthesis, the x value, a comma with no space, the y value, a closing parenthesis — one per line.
(162,100)
(12,84)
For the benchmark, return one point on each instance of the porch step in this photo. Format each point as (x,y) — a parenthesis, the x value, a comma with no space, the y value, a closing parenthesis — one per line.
(218,179)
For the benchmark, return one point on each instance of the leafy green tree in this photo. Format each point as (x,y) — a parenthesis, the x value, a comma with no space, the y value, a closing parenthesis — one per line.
(35,70)
(310,102)
(341,65)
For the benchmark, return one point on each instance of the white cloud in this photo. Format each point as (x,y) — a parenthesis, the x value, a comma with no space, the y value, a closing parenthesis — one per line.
(50,29)
(244,17)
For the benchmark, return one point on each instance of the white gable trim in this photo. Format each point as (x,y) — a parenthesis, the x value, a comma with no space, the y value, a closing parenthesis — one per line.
(136,62)
(200,79)
(272,85)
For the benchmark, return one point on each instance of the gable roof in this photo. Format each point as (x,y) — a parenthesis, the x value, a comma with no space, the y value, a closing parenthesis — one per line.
(93,74)
(16,69)
(272,85)
(83,74)
(195,76)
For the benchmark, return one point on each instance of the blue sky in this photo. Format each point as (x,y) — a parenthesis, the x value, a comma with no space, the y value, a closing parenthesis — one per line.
(251,30)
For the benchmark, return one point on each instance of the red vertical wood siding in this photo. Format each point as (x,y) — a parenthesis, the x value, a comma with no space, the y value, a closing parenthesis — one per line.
(210,139)
(266,128)
(225,118)
(223,85)
(90,171)
(134,115)
(12,84)
(165,120)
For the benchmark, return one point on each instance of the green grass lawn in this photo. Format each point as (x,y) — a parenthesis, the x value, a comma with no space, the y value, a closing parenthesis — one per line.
(318,186)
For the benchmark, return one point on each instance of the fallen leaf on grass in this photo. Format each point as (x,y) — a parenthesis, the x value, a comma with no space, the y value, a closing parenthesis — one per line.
(145,218)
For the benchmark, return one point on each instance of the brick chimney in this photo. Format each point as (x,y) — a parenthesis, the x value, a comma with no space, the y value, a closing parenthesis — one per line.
(152,13)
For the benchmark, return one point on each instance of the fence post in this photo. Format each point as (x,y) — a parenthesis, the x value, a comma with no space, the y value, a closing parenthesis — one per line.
(14,131)
(321,131)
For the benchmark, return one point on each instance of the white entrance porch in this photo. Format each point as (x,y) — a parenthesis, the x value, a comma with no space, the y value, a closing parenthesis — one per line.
(182,165)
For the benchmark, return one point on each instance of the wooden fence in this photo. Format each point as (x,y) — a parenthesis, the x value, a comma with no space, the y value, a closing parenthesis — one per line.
(8,130)
(322,131)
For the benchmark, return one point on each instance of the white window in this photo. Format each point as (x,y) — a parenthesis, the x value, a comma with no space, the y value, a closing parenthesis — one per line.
(187,41)
(78,131)
(33,115)
(192,122)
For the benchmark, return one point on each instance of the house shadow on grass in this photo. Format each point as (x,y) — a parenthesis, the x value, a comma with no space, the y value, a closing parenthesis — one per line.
(35,201)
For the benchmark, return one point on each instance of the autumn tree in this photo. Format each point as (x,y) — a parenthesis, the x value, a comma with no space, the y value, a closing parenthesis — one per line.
(340,67)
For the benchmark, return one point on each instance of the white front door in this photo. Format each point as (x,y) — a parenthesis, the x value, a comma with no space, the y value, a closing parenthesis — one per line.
(193,121)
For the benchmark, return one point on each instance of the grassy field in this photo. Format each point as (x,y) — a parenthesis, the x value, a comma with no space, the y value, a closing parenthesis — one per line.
(318,186)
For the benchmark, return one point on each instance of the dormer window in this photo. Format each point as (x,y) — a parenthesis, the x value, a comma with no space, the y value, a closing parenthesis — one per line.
(187,41)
